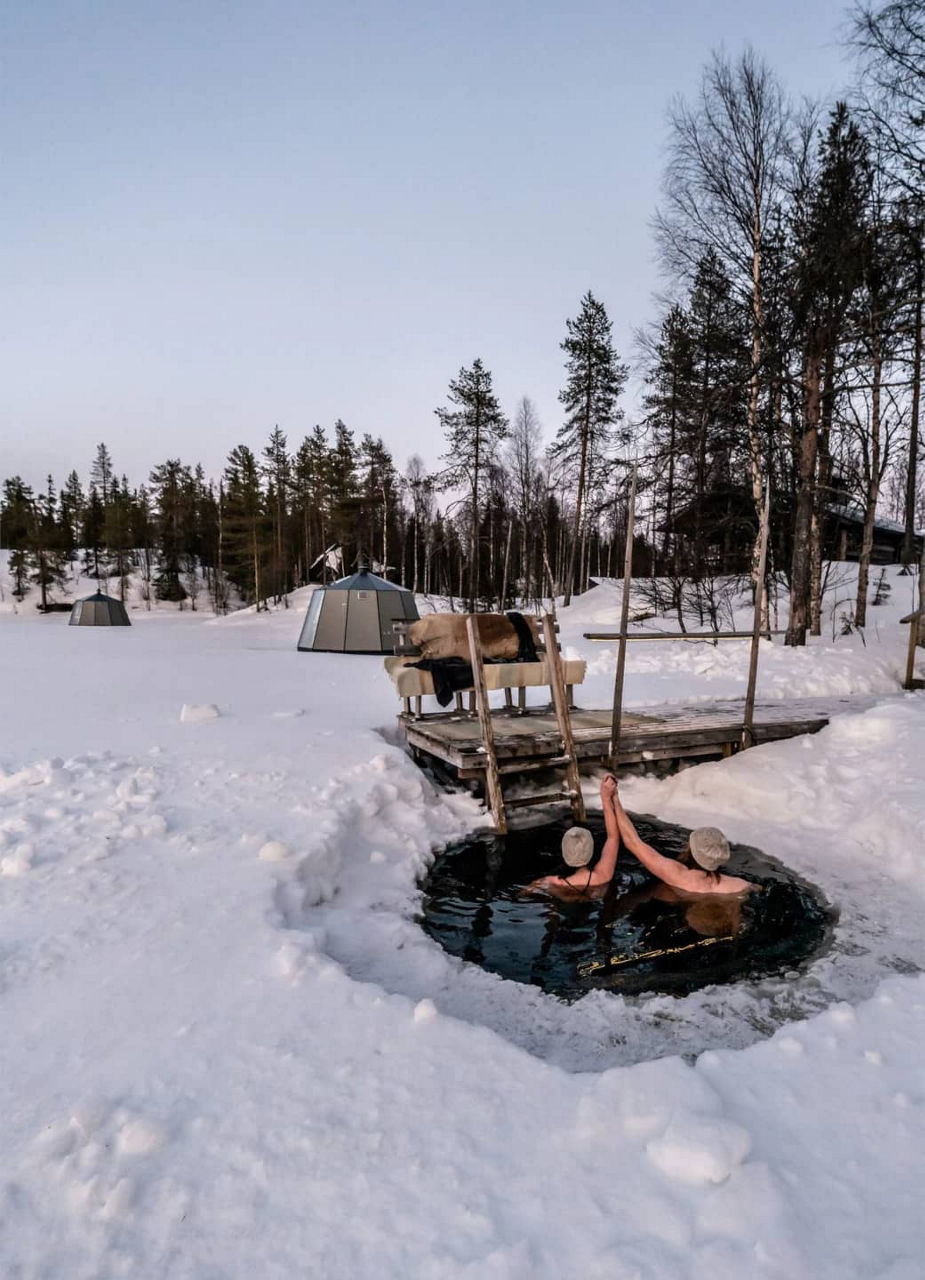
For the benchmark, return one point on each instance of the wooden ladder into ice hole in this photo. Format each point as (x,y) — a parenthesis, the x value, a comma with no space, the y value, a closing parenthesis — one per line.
(566,760)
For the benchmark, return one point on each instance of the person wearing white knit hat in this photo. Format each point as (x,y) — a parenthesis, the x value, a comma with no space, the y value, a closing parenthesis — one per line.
(577,851)
(697,871)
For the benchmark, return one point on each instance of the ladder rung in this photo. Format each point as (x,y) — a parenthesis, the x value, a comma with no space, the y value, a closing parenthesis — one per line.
(541,797)
(525,766)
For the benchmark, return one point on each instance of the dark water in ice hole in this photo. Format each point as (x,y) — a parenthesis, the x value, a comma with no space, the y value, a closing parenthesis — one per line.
(625,939)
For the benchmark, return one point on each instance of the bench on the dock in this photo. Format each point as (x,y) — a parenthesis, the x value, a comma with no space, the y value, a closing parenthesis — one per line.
(413,683)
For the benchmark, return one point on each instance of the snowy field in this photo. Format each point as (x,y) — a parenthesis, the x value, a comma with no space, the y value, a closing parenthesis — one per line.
(229,1051)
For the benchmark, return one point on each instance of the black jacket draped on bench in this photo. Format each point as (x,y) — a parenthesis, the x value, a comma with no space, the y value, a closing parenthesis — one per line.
(453,675)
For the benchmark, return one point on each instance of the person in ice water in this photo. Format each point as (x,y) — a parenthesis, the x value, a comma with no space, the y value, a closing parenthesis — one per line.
(696,872)
(577,852)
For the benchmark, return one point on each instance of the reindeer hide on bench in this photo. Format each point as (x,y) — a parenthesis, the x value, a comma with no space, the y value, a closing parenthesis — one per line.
(443,635)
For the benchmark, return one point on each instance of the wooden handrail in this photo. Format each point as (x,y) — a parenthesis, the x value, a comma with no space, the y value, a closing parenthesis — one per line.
(601,636)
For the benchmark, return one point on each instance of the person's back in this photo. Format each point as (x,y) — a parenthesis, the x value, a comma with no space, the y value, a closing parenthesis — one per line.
(697,873)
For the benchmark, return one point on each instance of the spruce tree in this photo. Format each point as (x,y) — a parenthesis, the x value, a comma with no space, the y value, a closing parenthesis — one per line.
(379,487)
(46,544)
(342,495)
(247,530)
(17,513)
(829,233)
(101,473)
(71,502)
(473,430)
(310,497)
(170,493)
(594,380)
(94,516)
(117,531)
(277,471)
(669,412)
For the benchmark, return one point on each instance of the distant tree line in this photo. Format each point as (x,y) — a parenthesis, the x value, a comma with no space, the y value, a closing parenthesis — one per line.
(787,356)
(502,520)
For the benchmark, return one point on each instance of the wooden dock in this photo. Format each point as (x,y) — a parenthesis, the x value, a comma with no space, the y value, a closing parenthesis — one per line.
(657,737)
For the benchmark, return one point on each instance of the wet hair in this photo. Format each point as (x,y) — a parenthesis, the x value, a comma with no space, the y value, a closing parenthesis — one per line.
(687,859)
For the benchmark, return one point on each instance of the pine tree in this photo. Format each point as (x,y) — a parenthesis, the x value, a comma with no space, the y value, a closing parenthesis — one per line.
(342,496)
(717,444)
(473,431)
(876,312)
(142,533)
(420,486)
(247,533)
(46,544)
(16,520)
(91,536)
(829,234)
(594,380)
(277,471)
(379,488)
(669,412)
(101,473)
(309,497)
(116,532)
(170,484)
(71,502)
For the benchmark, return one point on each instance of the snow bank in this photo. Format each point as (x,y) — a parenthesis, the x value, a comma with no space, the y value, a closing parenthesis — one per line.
(230,1051)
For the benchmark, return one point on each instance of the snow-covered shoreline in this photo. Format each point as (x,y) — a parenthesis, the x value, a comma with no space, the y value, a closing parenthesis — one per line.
(229,1051)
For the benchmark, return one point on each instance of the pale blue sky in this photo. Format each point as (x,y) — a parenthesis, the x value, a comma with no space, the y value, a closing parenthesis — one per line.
(218,216)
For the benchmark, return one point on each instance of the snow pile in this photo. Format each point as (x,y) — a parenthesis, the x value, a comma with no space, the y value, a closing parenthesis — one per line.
(193,713)
(230,1051)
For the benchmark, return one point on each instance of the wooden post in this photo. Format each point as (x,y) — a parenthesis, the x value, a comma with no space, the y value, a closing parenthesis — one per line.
(748,736)
(493,791)
(617,715)
(909,682)
(560,702)
(916,627)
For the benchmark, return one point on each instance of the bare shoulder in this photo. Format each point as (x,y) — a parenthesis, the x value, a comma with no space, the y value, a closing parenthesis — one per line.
(700,882)
(735,884)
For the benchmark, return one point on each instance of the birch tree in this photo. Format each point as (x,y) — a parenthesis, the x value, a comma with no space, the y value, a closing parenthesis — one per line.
(724,179)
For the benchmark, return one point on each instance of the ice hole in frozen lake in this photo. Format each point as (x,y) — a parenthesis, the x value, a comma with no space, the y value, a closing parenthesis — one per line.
(628,939)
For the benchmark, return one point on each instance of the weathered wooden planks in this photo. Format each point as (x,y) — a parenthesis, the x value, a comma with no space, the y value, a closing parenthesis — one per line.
(534,737)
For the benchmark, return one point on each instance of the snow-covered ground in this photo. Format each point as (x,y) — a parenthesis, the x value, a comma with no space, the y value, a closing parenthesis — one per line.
(229,1051)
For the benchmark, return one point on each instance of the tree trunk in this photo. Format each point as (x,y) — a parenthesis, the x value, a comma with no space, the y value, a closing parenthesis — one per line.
(507,562)
(474,533)
(806,467)
(873,485)
(579,498)
(669,495)
(701,464)
(821,497)
(385,534)
(911,472)
(754,446)
(256,559)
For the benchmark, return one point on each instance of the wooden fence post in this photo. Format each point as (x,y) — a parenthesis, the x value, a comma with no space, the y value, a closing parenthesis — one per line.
(493,792)
(560,703)
(748,736)
(617,714)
